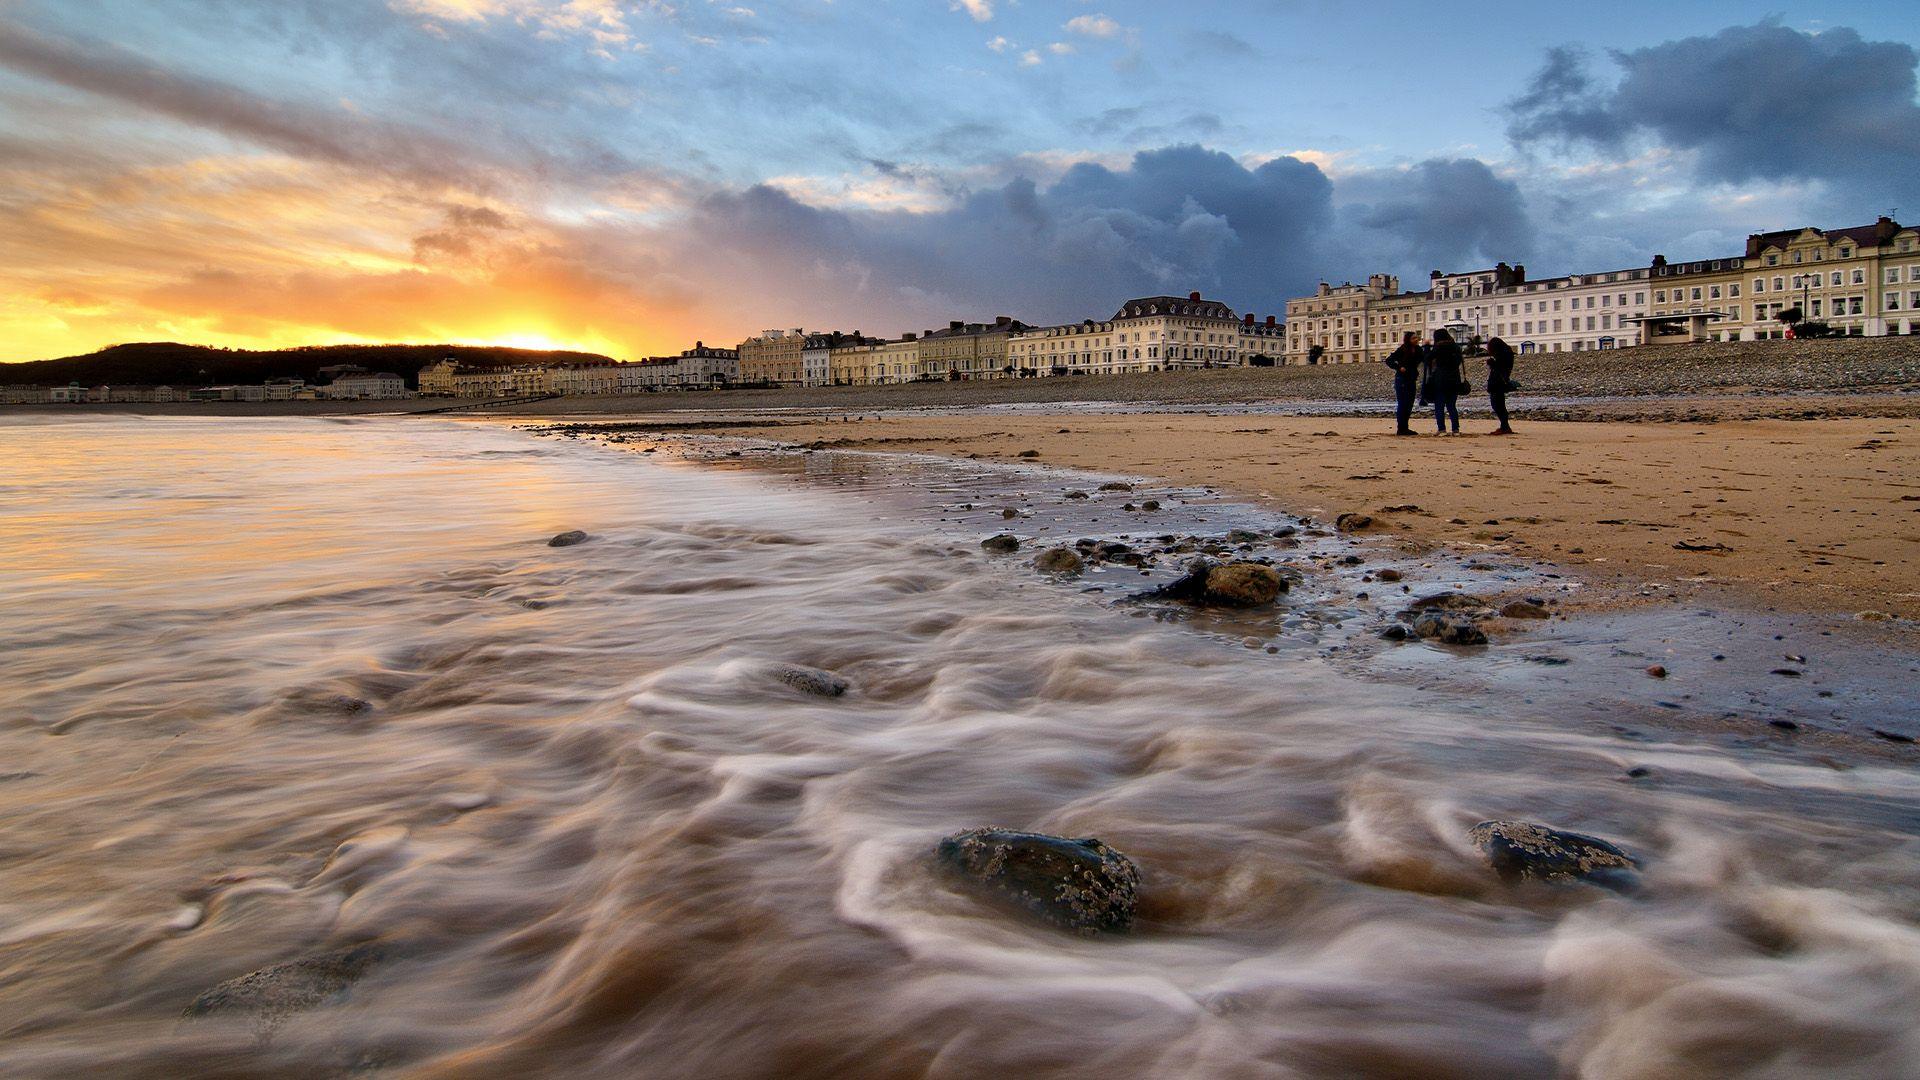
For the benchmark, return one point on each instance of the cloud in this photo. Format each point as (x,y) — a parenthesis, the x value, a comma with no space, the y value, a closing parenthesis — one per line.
(1438,214)
(999,44)
(1030,58)
(981,10)
(1094,26)
(1060,48)
(1762,102)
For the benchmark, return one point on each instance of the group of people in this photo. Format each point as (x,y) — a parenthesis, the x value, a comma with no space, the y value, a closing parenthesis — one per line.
(1435,375)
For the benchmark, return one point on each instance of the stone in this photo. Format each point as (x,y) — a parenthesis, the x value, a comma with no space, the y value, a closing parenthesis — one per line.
(1079,884)
(1058,561)
(1396,632)
(1449,631)
(1352,522)
(1448,601)
(568,539)
(1001,544)
(1243,536)
(1150,505)
(1009,512)
(1076,495)
(811,680)
(1285,531)
(269,996)
(1522,851)
(1029,453)
(1657,671)
(1116,485)
(1873,616)
(1387,575)
(1524,609)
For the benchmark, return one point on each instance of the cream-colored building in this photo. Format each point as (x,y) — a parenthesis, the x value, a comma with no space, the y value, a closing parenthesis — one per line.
(1463,303)
(436,380)
(1177,332)
(583,379)
(852,362)
(1336,324)
(895,361)
(774,356)
(359,386)
(1259,338)
(968,350)
(1576,313)
(1862,282)
(816,357)
(1087,347)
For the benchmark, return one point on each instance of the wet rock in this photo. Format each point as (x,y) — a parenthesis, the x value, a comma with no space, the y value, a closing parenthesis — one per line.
(1892,736)
(811,680)
(1524,609)
(1657,671)
(1078,884)
(1150,505)
(1523,851)
(1396,632)
(1352,522)
(1243,536)
(1058,561)
(1009,512)
(1029,453)
(1076,495)
(1116,485)
(1001,544)
(1449,631)
(1387,575)
(270,995)
(1244,584)
(1448,601)
(568,538)
(1285,531)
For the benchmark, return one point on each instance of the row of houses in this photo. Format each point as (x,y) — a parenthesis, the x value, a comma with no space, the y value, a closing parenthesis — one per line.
(347,385)
(1859,281)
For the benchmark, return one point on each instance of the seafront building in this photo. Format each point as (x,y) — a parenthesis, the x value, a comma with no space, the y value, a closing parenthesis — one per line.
(773,358)
(1337,324)
(1150,333)
(967,350)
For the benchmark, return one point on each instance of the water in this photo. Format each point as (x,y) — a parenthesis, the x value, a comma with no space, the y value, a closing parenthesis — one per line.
(277,687)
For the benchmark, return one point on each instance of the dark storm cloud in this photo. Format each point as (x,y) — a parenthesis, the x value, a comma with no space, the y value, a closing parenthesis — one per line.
(1439,214)
(1761,102)
(1175,219)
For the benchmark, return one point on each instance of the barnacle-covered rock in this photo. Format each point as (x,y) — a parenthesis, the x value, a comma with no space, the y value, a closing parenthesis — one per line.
(1078,884)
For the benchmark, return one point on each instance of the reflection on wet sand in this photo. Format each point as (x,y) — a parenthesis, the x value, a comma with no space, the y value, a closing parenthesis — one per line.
(315,707)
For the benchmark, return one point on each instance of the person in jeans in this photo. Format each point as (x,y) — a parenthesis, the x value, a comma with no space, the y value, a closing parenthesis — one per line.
(1499,381)
(1443,381)
(1404,362)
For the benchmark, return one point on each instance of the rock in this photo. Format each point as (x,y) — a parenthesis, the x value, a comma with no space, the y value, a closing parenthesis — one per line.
(1235,584)
(1387,575)
(1009,512)
(1522,851)
(1448,601)
(272,994)
(811,680)
(1058,561)
(1524,609)
(1029,453)
(1352,522)
(1873,616)
(1285,531)
(1001,544)
(1243,536)
(1449,631)
(1078,884)
(1657,671)
(1150,505)
(1396,632)
(1116,485)
(568,539)
(1076,495)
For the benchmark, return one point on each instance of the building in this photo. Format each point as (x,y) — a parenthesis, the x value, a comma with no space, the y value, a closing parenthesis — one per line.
(288,389)
(851,362)
(1463,303)
(1261,341)
(436,380)
(774,357)
(1699,301)
(1177,332)
(896,361)
(1336,324)
(364,386)
(1087,347)
(968,350)
(1576,313)
(816,357)
(1862,281)
(574,380)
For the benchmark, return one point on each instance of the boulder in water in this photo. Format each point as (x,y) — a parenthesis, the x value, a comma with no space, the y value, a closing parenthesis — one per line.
(1058,561)
(568,538)
(1078,884)
(1001,544)
(272,994)
(811,680)
(1523,851)
(1234,584)
(1352,522)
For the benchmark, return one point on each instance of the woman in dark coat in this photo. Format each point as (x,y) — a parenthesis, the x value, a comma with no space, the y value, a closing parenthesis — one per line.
(1499,380)
(1443,381)
(1405,365)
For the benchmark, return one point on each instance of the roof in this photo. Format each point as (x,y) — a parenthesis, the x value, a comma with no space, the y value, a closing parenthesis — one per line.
(1174,305)
(1865,235)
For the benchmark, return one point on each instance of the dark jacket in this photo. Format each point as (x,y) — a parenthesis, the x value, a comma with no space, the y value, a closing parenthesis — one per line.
(1499,366)
(1443,371)
(1404,362)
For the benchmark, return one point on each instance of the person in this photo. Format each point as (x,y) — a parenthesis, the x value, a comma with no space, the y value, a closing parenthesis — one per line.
(1499,381)
(1443,380)
(1404,362)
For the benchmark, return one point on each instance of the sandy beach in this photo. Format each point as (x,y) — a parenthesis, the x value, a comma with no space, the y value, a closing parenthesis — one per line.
(1818,516)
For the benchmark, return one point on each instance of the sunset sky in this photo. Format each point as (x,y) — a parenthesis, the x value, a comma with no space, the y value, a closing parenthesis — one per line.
(625,177)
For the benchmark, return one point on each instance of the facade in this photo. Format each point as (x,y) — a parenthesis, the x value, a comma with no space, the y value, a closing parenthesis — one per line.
(1257,339)
(1701,300)
(773,357)
(584,379)
(816,357)
(1335,324)
(436,380)
(851,362)
(1577,313)
(1178,332)
(364,386)
(1084,348)
(1862,282)
(894,362)
(968,350)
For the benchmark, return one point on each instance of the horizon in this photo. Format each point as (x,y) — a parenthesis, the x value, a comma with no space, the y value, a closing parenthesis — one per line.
(626,179)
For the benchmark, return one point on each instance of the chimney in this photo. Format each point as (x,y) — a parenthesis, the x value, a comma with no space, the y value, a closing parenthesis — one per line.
(1249,318)
(1659,261)
(1194,296)
(908,336)
(1270,320)
(956,325)
(1002,320)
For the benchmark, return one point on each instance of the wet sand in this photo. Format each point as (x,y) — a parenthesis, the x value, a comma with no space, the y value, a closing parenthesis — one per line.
(1816,516)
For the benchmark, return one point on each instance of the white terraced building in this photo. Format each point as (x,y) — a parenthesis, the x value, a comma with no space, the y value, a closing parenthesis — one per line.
(1576,313)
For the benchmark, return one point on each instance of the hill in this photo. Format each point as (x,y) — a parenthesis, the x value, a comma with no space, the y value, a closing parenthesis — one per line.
(172,364)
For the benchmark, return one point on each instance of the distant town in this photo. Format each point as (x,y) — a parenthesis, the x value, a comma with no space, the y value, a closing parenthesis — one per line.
(1859,281)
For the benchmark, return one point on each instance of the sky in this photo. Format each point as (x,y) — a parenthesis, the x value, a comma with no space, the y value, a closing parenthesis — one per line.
(627,177)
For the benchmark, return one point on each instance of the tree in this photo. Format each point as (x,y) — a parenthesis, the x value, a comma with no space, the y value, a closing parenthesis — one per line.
(1790,316)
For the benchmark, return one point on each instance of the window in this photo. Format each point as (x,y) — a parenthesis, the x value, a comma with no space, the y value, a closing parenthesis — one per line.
(1893,301)
(1660,296)
(1696,292)
(1893,275)
(1859,277)
(1773,260)
(1913,272)
(1813,309)
(1759,285)
(1846,253)
(1779,284)
(1796,256)
(1713,292)
(1733,290)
